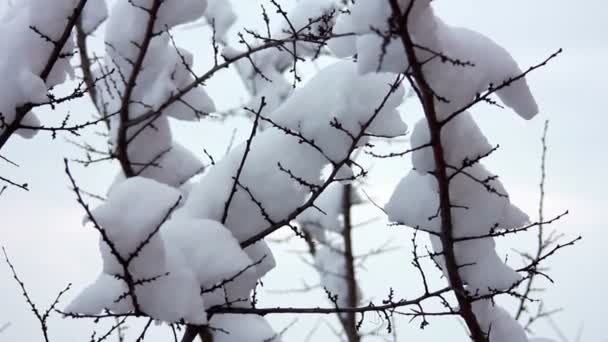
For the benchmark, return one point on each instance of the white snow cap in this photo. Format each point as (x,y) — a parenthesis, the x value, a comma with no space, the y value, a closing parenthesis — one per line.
(224,271)
(165,73)
(25,54)
(309,112)
(164,287)
(379,51)
(221,14)
(179,268)
(483,204)
(95,12)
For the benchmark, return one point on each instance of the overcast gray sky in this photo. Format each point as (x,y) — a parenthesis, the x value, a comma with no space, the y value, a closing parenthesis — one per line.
(43,235)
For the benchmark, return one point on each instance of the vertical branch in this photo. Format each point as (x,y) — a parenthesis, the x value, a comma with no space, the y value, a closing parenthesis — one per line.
(427,98)
(86,68)
(351,280)
(85,62)
(122,140)
(254,129)
(542,243)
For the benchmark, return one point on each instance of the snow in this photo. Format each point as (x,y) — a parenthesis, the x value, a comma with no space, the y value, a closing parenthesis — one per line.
(221,15)
(352,104)
(25,54)
(95,12)
(179,267)
(482,202)
(165,72)
(500,325)
(266,79)
(164,287)
(185,263)
(492,63)
(214,256)
(413,205)
(148,202)
(100,295)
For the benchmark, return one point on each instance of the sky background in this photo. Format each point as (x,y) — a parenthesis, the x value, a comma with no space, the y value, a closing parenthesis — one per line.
(43,235)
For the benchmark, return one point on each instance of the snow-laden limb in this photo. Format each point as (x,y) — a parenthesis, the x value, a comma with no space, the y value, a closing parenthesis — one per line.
(263,75)
(482,203)
(155,155)
(451,54)
(169,269)
(145,147)
(140,273)
(224,271)
(30,33)
(281,181)
(451,67)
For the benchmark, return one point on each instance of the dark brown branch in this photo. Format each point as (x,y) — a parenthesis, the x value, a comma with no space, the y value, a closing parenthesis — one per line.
(122,144)
(427,98)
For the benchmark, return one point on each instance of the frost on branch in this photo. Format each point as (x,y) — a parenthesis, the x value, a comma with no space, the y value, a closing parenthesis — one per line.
(29,32)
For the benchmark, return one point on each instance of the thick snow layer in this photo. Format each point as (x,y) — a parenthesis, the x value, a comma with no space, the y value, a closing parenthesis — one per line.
(215,257)
(95,12)
(498,323)
(266,177)
(133,212)
(414,204)
(166,288)
(25,54)
(266,79)
(465,139)
(481,201)
(165,72)
(221,15)
(308,112)
(100,295)
(492,64)
(178,268)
